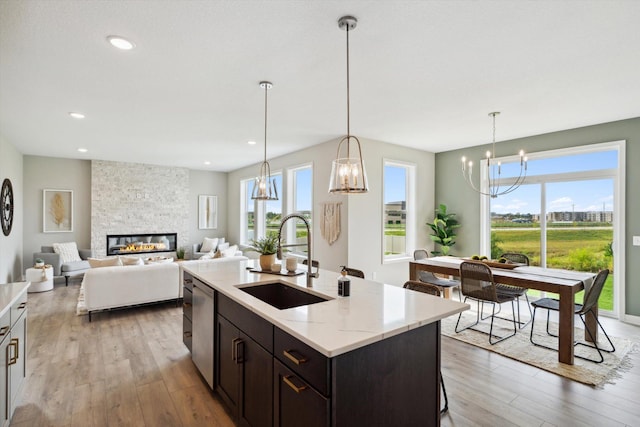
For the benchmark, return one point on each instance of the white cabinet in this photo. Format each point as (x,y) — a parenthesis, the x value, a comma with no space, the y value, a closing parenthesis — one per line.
(13,352)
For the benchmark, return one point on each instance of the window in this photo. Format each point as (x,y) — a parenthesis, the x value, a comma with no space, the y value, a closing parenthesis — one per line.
(567,214)
(398,211)
(300,200)
(257,217)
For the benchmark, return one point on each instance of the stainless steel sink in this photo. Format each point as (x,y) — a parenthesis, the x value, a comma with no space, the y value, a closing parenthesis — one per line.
(281,295)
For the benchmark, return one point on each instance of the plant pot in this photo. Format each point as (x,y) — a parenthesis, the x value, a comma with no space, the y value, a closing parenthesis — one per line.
(266,261)
(39,264)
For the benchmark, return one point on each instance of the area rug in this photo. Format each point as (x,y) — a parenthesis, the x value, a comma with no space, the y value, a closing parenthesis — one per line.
(520,348)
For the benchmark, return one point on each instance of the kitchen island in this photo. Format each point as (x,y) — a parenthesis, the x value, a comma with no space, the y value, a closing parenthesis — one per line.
(372,358)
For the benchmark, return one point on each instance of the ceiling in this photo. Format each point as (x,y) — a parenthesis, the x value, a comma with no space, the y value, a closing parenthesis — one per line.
(424,74)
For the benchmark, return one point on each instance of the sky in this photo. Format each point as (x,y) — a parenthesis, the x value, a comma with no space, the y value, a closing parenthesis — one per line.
(591,195)
(578,196)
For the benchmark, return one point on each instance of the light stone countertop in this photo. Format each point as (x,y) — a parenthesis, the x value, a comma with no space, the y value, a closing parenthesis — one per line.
(372,313)
(9,294)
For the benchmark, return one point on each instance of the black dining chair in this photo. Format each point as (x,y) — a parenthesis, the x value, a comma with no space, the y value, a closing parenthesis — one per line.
(477,283)
(516,290)
(429,277)
(589,304)
(428,288)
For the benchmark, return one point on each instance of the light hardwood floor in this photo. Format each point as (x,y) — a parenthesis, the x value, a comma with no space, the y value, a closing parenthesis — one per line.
(130,368)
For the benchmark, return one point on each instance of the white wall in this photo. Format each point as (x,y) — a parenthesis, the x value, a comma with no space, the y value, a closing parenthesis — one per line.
(330,256)
(365,211)
(360,243)
(11,263)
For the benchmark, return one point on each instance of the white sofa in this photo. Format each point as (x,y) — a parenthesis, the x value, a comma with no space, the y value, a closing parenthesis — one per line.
(122,286)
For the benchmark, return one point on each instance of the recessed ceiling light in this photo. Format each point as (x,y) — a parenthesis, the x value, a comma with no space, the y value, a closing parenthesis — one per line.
(120,42)
(76,115)
(207,162)
(82,150)
(251,142)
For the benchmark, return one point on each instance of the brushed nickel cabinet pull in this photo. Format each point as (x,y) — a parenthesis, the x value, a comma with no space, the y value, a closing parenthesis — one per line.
(292,385)
(297,360)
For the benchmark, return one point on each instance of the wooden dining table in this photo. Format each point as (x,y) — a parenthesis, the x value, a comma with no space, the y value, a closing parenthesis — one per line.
(565,283)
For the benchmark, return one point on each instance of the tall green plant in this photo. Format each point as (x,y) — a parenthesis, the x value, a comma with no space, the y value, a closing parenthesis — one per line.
(443,227)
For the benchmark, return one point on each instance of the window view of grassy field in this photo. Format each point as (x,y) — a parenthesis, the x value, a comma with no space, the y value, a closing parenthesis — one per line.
(575,246)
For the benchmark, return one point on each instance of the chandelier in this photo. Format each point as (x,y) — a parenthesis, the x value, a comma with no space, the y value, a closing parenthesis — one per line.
(264,187)
(494,169)
(347,172)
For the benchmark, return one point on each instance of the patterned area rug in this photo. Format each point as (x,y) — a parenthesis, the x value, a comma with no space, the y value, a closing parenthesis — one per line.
(520,348)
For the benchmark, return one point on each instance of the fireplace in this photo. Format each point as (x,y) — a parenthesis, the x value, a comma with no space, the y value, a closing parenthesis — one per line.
(128,244)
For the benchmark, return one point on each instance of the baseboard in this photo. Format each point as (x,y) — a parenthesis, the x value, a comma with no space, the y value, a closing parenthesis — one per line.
(634,320)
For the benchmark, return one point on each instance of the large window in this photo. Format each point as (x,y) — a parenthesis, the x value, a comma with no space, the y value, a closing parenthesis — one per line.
(567,215)
(300,200)
(398,211)
(259,217)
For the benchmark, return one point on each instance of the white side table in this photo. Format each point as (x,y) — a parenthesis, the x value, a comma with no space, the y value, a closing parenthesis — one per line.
(41,279)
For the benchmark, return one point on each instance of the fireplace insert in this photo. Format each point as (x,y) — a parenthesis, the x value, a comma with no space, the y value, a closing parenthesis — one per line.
(128,244)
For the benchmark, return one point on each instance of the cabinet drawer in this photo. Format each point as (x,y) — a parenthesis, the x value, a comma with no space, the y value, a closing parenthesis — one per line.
(295,403)
(187,281)
(5,324)
(311,365)
(187,303)
(18,308)
(248,322)
(187,332)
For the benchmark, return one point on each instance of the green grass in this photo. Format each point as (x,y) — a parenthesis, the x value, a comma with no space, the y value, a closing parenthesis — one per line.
(567,248)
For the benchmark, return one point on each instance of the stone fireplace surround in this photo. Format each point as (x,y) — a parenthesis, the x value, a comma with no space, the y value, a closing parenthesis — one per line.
(133,244)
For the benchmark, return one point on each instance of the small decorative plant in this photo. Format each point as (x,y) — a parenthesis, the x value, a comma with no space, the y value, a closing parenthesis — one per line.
(267,245)
(180,253)
(39,261)
(443,227)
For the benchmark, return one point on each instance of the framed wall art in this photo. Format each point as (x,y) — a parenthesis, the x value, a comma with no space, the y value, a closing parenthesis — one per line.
(207,212)
(57,211)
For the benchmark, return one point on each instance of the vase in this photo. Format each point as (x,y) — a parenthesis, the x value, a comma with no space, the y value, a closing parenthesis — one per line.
(266,261)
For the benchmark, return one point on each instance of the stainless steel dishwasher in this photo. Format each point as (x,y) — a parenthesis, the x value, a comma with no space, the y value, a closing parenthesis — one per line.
(202,353)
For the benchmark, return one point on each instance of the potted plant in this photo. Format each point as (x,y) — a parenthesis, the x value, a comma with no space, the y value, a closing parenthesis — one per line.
(443,227)
(180,253)
(39,262)
(267,247)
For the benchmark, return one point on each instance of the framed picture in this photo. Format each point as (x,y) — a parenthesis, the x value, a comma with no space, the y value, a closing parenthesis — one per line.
(57,211)
(207,212)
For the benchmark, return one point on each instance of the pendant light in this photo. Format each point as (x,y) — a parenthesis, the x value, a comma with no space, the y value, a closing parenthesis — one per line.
(264,187)
(347,172)
(494,169)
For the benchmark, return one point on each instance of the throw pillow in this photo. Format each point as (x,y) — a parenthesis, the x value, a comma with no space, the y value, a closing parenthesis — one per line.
(104,262)
(230,251)
(68,251)
(131,260)
(223,246)
(209,244)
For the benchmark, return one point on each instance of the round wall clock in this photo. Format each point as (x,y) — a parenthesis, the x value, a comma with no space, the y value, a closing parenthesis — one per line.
(6,202)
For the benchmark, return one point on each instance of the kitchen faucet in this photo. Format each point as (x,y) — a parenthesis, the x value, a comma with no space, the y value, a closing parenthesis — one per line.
(310,275)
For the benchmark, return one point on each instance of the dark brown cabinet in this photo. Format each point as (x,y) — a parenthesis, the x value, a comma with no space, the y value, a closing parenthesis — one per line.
(243,367)
(296,403)
(268,377)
